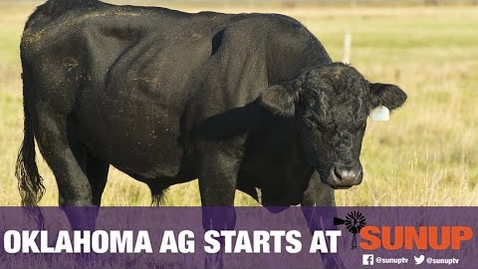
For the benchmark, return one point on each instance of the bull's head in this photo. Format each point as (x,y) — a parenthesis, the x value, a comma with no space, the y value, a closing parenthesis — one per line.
(331,104)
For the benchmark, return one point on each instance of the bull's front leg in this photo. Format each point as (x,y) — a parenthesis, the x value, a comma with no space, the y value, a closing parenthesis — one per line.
(316,196)
(217,185)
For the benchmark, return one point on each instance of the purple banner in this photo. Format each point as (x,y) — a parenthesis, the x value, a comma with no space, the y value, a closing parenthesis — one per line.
(174,237)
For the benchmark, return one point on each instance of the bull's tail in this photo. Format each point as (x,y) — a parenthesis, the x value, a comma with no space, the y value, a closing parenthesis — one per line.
(30,183)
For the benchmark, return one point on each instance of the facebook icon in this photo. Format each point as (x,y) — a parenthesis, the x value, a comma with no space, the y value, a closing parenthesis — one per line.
(367,259)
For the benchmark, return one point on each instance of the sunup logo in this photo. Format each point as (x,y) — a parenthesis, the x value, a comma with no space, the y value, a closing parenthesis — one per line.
(403,237)
(411,237)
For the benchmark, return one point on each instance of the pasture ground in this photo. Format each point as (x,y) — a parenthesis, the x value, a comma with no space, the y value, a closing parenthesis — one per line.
(426,155)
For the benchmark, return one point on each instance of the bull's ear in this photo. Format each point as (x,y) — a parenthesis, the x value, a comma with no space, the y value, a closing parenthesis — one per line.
(387,95)
(281,99)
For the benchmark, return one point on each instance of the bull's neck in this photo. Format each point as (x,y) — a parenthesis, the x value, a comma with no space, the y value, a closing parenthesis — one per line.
(274,137)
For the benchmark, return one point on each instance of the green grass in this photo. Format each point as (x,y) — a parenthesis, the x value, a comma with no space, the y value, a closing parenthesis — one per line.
(426,155)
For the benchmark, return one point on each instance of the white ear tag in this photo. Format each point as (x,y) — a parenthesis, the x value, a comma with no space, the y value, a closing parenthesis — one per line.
(380,113)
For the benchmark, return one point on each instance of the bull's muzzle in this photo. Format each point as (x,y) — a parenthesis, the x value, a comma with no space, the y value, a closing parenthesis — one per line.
(345,177)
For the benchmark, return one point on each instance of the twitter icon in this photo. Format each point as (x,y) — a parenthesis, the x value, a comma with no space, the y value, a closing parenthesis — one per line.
(419,259)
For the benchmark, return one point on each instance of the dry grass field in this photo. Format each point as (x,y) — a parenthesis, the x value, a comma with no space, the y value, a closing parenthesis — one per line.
(426,155)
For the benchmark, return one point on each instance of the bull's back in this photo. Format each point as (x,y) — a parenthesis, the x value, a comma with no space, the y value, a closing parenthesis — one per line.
(124,73)
(133,76)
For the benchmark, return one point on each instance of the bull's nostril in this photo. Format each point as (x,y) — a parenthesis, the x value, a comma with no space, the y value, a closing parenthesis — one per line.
(338,173)
(345,175)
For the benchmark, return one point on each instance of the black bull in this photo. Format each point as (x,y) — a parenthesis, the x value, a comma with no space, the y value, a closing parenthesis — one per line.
(239,101)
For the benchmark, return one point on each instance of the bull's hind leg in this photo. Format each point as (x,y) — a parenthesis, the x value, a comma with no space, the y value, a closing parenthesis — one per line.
(97,173)
(73,185)
(95,169)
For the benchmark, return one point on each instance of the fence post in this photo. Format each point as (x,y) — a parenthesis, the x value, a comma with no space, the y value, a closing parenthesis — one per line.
(347,47)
